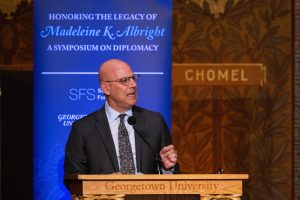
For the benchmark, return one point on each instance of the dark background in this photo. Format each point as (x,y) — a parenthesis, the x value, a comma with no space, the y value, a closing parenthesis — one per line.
(16,135)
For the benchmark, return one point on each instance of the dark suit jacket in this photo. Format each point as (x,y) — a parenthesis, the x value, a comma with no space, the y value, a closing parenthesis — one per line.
(90,148)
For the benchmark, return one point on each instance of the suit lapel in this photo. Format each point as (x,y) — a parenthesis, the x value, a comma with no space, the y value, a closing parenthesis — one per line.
(138,147)
(106,136)
(139,126)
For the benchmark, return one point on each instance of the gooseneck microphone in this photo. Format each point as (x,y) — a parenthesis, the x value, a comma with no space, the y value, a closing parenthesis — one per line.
(132,121)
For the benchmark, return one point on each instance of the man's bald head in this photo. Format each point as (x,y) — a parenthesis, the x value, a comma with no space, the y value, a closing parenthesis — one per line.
(108,70)
(119,96)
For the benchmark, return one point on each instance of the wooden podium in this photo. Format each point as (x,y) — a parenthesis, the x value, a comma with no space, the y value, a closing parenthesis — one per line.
(208,186)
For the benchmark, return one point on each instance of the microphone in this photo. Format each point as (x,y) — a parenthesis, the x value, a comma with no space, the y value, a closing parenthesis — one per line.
(132,121)
(220,171)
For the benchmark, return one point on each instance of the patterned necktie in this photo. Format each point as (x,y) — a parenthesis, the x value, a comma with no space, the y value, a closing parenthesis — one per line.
(126,158)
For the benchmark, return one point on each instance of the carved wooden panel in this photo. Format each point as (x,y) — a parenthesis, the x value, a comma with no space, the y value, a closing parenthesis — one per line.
(241,129)
(16,35)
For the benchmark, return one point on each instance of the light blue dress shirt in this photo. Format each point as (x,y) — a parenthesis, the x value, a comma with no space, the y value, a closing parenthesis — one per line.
(114,121)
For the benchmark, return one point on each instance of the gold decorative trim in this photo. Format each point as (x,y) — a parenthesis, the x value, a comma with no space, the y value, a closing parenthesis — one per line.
(98,197)
(221,197)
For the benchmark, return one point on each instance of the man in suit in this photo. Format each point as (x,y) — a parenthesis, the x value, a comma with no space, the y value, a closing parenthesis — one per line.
(94,144)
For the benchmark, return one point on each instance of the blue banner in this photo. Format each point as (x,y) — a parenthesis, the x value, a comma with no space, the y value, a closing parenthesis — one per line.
(72,39)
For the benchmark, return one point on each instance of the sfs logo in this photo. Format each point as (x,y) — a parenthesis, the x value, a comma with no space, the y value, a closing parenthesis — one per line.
(90,94)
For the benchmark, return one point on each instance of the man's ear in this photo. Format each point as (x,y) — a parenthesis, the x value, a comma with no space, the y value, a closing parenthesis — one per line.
(105,88)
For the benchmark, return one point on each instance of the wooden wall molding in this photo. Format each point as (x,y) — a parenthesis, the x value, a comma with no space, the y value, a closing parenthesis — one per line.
(297,101)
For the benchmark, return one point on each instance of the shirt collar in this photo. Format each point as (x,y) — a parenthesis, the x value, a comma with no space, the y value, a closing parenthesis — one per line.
(112,114)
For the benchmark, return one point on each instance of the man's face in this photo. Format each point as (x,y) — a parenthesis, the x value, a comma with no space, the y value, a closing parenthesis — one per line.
(120,96)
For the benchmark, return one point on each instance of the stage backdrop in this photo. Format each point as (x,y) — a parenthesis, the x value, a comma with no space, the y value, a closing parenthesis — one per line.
(71,40)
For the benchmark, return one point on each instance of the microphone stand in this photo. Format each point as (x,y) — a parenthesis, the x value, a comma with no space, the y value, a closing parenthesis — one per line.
(131,121)
(157,159)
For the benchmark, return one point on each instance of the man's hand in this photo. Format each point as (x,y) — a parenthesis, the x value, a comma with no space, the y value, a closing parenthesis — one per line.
(168,156)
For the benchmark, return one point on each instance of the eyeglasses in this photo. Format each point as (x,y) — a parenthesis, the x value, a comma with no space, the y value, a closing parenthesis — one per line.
(125,80)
